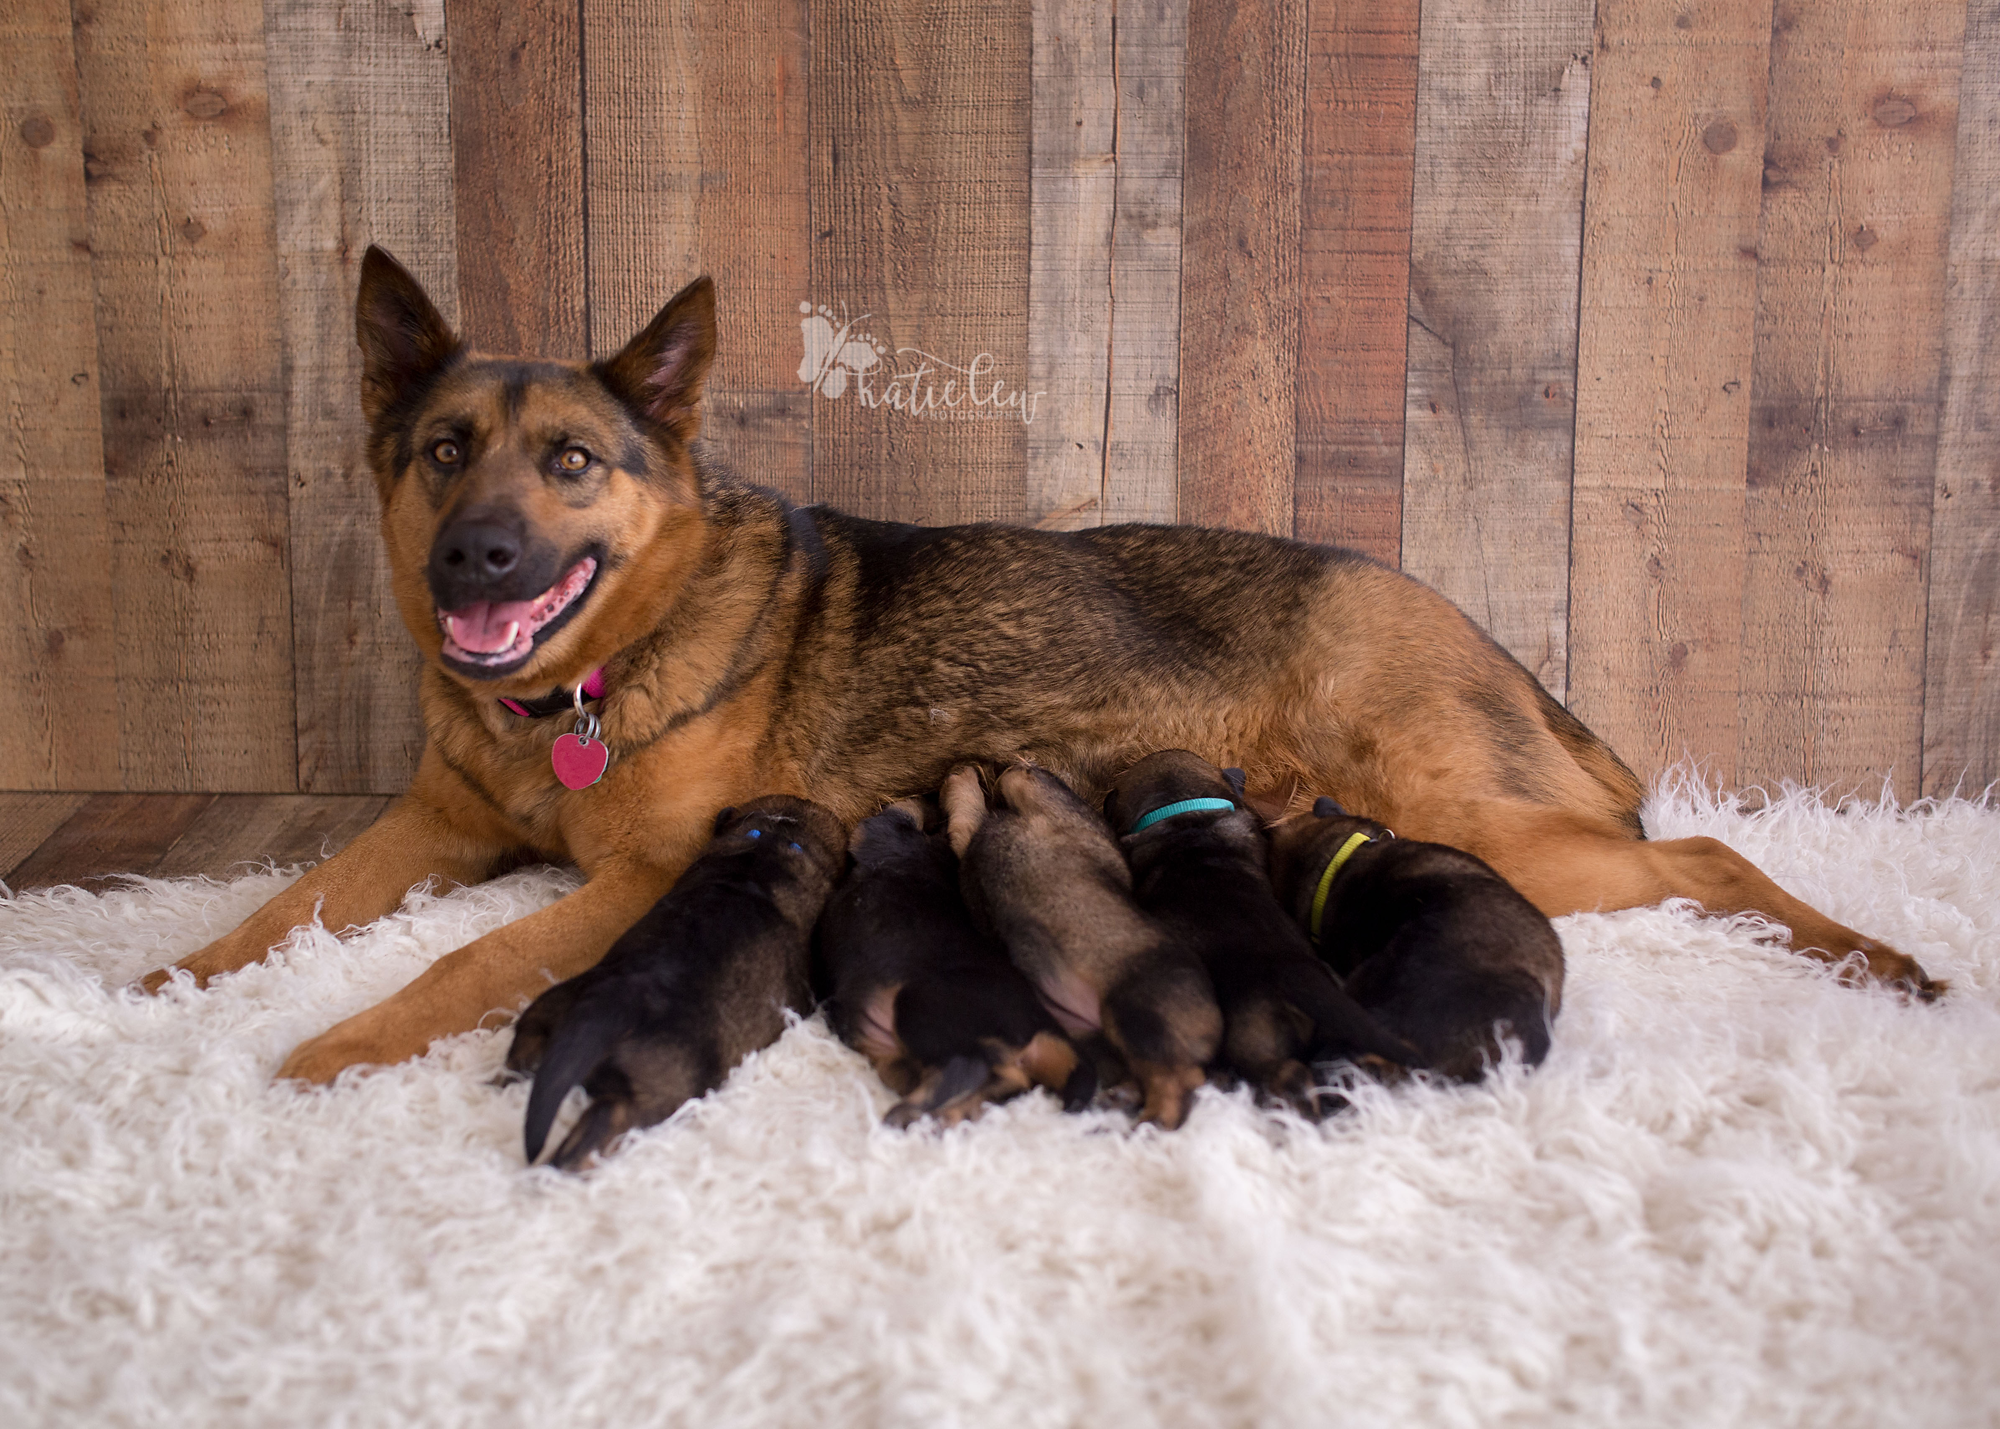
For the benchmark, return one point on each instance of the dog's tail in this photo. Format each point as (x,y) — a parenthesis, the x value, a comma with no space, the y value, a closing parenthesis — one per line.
(580,1044)
(1341,1026)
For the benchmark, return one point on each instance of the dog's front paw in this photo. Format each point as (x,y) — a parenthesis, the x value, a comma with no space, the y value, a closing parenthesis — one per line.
(1901,973)
(319,1060)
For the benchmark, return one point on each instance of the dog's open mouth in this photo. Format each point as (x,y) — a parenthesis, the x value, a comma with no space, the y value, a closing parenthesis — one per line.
(494,633)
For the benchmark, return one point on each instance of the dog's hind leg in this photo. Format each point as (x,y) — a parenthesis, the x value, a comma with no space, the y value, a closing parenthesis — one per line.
(1564,866)
(414,841)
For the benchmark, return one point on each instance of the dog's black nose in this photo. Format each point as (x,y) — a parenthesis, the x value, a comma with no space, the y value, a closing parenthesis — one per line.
(478,549)
(486,555)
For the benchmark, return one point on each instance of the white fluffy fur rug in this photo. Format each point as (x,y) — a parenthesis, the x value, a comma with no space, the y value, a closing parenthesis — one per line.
(1737,1193)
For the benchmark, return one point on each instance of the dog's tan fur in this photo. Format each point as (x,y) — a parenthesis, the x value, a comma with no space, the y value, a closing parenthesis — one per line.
(750,648)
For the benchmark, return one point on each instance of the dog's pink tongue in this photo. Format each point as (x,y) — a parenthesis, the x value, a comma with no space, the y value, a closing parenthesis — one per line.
(488,627)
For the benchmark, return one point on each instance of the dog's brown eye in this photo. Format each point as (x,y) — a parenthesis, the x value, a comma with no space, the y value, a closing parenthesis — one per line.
(573,460)
(445,453)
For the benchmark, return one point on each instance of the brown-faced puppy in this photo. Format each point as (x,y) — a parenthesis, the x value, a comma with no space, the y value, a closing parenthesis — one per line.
(1041,869)
(920,990)
(694,987)
(1199,866)
(1437,946)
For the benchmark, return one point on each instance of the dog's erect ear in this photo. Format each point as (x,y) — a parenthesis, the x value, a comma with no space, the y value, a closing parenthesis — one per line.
(1235,779)
(404,340)
(660,372)
(1325,807)
(723,816)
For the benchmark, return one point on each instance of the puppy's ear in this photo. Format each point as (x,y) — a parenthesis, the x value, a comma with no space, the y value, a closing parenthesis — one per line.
(404,341)
(1327,808)
(660,372)
(723,816)
(1235,779)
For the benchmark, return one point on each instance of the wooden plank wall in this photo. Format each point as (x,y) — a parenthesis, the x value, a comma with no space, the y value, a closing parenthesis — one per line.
(1663,335)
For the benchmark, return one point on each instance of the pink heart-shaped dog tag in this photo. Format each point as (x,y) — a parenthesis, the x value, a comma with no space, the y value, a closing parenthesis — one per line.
(579,762)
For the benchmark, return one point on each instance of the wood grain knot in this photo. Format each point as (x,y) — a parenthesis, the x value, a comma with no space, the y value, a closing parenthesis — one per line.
(37,132)
(205,104)
(1866,238)
(1719,137)
(1894,112)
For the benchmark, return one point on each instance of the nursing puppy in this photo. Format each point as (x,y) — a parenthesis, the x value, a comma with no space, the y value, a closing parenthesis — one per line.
(1437,946)
(1041,869)
(694,987)
(1199,866)
(948,1022)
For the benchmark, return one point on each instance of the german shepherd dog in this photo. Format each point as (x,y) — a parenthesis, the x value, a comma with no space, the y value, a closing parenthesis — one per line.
(548,521)
(692,988)
(1199,865)
(1439,947)
(920,990)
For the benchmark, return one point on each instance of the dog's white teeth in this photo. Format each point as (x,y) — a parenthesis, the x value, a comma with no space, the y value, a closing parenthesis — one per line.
(513,634)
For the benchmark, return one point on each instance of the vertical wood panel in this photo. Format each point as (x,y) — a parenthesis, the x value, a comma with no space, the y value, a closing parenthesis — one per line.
(178,159)
(1962,648)
(362,148)
(1240,263)
(517,153)
(1502,107)
(642,123)
(1144,458)
(696,125)
(1663,377)
(920,201)
(753,211)
(1075,196)
(1857,201)
(1360,136)
(58,659)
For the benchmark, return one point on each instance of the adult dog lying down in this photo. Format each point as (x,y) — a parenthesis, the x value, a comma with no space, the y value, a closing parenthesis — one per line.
(550,520)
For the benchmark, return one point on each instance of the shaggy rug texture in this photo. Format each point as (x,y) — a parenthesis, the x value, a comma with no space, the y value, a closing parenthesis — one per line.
(1738,1192)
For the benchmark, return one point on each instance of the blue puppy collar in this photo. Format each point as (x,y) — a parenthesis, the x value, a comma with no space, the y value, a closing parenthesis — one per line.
(1185,806)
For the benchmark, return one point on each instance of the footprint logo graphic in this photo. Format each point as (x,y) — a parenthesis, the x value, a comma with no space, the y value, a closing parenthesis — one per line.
(834,353)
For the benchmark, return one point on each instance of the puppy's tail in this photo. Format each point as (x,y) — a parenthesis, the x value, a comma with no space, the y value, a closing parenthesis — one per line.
(578,1046)
(1341,1026)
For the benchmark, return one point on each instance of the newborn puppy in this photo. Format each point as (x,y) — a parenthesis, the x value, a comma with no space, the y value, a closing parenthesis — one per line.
(1437,946)
(1198,866)
(917,988)
(692,988)
(1042,871)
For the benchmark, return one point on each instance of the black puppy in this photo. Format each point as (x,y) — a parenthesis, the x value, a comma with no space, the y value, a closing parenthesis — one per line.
(692,988)
(1199,866)
(949,1023)
(1443,951)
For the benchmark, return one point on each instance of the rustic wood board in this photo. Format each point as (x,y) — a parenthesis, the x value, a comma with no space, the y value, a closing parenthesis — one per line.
(642,168)
(1494,254)
(362,149)
(1143,461)
(58,660)
(1240,263)
(1074,199)
(1962,647)
(920,201)
(178,159)
(110,834)
(517,154)
(1354,261)
(27,820)
(1857,204)
(753,212)
(248,829)
(1663,378)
